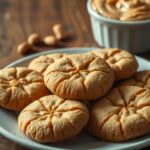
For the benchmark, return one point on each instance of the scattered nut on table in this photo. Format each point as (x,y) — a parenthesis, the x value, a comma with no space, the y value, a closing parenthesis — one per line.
(23,48)
(34,38)
(59,32)
(50,40)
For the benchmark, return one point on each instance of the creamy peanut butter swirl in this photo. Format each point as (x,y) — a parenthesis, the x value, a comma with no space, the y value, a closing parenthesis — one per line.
(125,10)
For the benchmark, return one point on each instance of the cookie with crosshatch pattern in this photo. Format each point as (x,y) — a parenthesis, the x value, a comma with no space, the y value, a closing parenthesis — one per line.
(122,114)
(52,119)
(79,76)
(20,86)
(141,79)
(122,62)
(41,63)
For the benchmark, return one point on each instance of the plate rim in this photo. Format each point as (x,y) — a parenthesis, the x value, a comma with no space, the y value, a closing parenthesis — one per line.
(40,146)
(58,50)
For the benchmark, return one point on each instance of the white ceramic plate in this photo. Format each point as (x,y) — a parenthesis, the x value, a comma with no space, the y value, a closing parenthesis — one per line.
(9,129)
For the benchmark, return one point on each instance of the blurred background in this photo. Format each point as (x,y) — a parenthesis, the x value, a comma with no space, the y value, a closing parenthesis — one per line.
(20,18)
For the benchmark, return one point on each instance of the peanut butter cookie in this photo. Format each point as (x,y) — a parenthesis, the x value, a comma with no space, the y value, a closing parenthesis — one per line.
(19,86)
(122,62)
(41,63)
(79,76)
(123,114)
(52,119)
(141,78)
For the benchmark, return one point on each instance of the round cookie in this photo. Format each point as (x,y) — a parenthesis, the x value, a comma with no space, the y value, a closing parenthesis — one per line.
(123,114)
(141,78)
(52,119)
(19,86)
(122,62)
(79,76)
(41,63)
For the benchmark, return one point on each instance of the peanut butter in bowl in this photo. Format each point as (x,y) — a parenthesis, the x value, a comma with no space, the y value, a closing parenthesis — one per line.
(124,10)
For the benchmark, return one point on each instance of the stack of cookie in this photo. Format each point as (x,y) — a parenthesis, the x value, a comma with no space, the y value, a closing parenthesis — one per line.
(60,94)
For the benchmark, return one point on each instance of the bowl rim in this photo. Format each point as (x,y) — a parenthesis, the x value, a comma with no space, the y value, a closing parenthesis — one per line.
(113,21)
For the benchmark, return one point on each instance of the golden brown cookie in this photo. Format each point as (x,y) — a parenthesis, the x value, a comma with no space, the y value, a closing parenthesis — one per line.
(123,114)
(122,62)
(141,78)
(19,86)
(41,63)
(52,119)
(79,76)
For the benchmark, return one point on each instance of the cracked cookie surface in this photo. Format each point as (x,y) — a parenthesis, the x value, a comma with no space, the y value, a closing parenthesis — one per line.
(122,62)
(79,76)
(141,78)
(41,63)
(123,114)
(52,119)
(19,86)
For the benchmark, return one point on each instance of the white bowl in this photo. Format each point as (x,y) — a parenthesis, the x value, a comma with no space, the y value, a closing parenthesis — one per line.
(132,36)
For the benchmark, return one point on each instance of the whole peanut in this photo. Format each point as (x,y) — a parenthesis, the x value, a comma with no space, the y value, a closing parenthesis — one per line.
(59,32)
(50,40)
(34,39)
(23,48)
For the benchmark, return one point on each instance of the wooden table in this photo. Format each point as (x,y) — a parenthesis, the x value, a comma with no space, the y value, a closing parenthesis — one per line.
(21,18)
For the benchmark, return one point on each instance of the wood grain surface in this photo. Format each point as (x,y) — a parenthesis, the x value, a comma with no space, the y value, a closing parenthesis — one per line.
(20,18)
